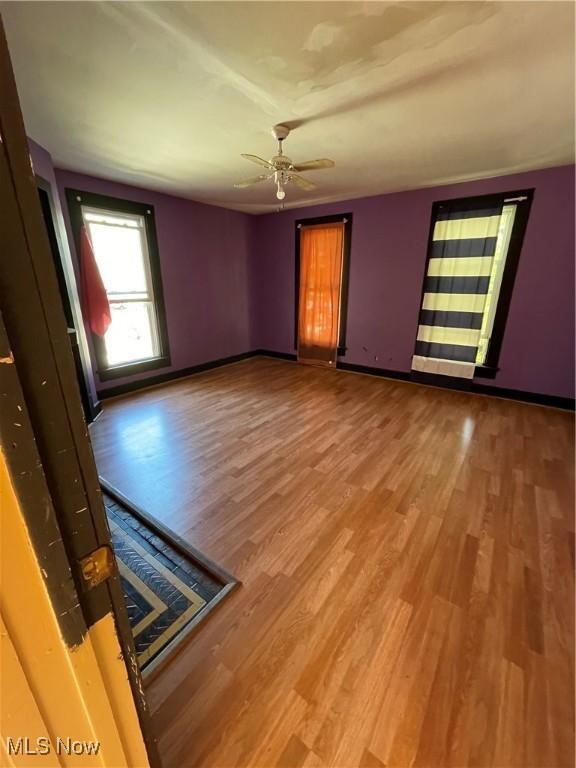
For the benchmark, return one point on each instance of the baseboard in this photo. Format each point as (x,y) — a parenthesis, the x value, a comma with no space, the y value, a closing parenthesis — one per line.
(370,371)
(279,355)
(464,385)
(182,373)
(444,382)
(96,409)
(164,378)
(552,401)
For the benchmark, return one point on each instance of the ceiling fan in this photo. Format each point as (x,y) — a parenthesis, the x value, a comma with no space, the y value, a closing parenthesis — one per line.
(281,169)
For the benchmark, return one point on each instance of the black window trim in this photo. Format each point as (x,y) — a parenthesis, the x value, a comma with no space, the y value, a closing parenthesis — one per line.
(346,248)
(490,367)
(75,199)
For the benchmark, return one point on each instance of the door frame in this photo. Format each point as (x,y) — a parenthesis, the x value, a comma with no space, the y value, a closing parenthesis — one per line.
(338,218)
(40,353)
(67,285)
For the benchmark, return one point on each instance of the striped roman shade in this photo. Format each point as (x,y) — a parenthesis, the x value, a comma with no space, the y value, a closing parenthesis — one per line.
(455,289)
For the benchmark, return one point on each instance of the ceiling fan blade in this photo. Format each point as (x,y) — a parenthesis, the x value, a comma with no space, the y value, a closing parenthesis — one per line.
(253,180)
(258,160)
(301,182)
(311,165)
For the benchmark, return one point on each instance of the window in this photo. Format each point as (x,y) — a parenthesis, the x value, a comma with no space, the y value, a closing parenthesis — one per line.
(473,255)
(321,290)
(123,239)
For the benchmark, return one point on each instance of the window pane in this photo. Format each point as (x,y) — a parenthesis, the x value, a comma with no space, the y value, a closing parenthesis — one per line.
(121,252)
(131,336)
(119,219)
(118,253)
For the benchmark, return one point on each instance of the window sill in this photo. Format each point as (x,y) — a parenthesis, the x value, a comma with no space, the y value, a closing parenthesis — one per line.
(486,371)
(130,369)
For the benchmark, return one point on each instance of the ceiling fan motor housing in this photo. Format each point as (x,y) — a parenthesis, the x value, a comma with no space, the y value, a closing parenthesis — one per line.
(281,169)
(280,132)
(281,162)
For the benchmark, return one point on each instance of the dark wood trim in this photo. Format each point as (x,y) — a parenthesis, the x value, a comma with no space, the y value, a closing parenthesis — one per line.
(466,385)
(31,489)
(493,199)
(347,247)
(164,378)
(485,372)
(509,276)
(36,327)
(552,401)
(81,357)
(182,373)
(370,371)
(75,199)
(342,348)
(130,369)
(490,367)
(444,382)
(49,211)
(279,355)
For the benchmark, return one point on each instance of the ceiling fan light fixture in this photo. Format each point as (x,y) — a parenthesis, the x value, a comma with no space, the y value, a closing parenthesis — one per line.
(281,169)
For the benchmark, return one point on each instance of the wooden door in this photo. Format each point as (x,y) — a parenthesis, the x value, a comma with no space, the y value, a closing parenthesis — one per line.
(320,292)
(50,468)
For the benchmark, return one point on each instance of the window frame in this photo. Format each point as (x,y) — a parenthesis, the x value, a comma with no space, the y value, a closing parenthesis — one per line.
(76,199)
(339,218)
(490,368)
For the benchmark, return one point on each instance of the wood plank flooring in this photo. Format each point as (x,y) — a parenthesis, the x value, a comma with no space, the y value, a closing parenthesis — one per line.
(407,558)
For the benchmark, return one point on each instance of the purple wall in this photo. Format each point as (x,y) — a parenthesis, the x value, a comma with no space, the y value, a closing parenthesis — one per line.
(204,256)
(389,242)
(42,162)
(229,277)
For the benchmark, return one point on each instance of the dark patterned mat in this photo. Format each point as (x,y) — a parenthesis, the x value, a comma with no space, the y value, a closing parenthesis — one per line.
(164,590)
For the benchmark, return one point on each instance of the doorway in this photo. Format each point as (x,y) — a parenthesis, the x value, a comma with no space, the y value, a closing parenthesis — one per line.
(322,266)
(90,408)
(168,586)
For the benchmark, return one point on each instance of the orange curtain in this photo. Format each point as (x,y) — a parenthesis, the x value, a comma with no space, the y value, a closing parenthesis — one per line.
(320,284)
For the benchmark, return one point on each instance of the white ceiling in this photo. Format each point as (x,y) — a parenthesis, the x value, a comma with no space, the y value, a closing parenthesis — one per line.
(400,94)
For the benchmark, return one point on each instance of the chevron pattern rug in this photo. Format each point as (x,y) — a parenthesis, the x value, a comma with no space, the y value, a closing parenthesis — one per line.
(164,591)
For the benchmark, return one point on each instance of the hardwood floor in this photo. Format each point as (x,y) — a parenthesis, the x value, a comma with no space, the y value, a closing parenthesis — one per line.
(407,560)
